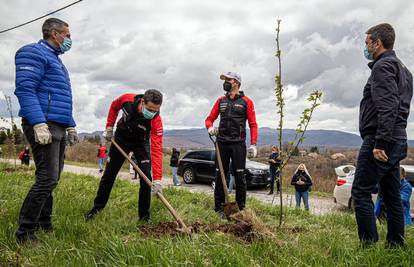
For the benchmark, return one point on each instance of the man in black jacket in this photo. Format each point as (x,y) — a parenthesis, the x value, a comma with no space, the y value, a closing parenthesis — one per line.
(384,110)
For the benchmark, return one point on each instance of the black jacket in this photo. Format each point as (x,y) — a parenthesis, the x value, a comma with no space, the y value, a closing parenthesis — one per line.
(385,105)
(301,176)
(175,156)
(275,157)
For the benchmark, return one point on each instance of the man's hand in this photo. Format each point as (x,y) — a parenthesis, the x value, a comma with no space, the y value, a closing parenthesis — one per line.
(109,133)
(380,155)
(42,134)
(72,136)
(156,187)
(212,131)
(252,151)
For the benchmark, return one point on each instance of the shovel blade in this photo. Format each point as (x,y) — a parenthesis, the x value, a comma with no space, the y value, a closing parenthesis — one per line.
(230,208)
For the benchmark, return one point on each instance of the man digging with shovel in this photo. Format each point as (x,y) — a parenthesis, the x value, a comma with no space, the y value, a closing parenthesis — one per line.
(234,109)
(139,130)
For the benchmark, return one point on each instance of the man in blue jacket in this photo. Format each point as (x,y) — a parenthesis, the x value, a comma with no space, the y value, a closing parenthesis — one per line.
(45,97)
(384,110)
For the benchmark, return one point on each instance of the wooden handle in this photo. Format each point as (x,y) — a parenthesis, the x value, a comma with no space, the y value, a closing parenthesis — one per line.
(159,195)
(223,178)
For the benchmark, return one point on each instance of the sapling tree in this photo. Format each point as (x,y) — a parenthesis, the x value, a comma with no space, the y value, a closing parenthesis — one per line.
(314,99)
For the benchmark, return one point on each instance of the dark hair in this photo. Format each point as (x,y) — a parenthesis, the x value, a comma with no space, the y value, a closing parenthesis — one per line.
(52,24)
(383,32)
(154,96)
(402,171)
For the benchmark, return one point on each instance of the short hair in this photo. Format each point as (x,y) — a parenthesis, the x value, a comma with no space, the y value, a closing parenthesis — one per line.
(384,32)
(402,171)
(52,24)
(154,96)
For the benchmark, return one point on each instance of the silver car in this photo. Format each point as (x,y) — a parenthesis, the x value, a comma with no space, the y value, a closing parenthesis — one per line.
(345,177)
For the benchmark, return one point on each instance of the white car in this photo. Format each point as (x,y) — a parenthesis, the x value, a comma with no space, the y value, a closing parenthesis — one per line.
(345,178)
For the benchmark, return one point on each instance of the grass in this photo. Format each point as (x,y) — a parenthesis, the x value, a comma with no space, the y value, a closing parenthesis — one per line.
(113,238)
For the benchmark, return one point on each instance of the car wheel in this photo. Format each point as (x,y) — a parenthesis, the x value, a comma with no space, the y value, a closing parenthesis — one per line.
(188,176)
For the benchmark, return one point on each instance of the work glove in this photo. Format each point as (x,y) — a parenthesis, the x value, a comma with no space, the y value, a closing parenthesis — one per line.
(212,131)
(42,134)
(156,187)
(252,151)
(72,136)
(109,133)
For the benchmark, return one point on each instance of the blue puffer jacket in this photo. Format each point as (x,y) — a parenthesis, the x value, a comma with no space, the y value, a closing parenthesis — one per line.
(43,85)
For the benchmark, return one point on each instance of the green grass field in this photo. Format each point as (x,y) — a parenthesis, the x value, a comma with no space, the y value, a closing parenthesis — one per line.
(114,238)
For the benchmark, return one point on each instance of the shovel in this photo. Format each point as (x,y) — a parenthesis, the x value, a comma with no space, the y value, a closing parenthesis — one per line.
(229,208)
(181,223)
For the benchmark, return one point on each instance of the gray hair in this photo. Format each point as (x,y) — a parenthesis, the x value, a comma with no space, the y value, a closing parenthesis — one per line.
(52,24)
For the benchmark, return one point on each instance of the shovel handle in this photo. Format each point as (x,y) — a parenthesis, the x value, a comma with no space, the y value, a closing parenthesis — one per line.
(159,195)
(221,169)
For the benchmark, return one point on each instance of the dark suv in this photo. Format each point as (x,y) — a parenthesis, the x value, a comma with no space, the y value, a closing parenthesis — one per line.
(199,165)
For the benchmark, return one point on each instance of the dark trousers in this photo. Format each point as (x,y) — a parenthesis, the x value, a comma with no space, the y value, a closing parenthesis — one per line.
(274,176)
(37,207)
(237,153)
(116,159)
(369,172)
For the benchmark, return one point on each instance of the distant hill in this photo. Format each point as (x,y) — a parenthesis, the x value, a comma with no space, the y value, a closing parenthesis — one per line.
(198,138)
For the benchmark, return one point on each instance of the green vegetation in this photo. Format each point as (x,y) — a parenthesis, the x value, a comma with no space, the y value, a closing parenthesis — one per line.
(114,238)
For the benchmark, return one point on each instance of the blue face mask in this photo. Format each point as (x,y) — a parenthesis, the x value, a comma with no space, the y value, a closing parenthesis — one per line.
(66,45)
(148,114)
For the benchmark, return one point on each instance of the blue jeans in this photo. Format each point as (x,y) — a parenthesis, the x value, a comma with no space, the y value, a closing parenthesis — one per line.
(305,196)
(100,162)
(369,172)
(174,174)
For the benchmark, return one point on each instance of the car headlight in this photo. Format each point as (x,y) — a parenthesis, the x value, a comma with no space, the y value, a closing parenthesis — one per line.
(256,171)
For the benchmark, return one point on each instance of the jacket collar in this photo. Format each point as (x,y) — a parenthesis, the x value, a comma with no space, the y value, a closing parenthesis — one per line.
(239,95)
(46,45)
(388,53)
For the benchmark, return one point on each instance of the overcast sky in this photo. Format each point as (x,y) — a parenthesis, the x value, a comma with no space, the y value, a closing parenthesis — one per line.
(181,47)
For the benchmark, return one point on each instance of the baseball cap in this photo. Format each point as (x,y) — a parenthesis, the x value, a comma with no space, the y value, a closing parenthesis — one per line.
(231,75)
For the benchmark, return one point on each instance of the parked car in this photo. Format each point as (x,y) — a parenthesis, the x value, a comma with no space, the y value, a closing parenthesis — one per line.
(199,165)
(345,178)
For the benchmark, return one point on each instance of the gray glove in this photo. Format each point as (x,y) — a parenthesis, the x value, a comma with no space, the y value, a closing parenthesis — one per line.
(42,134)
(212,131)
(156,187)
(109,133)
(72,136)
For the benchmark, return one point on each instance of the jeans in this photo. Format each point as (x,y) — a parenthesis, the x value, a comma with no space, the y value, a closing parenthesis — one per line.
(237,153)
(100,162)
(369,172)
(174,174)
(274,176)
(38,204)
(116,159)
(305,196)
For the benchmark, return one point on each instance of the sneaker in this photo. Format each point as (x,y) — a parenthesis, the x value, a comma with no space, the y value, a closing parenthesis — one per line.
(100,171)
(221,214)
(177,184)
(270,193)
(91,214)
(146,219)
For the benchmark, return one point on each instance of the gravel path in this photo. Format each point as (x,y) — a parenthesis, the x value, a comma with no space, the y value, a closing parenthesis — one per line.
(318,205)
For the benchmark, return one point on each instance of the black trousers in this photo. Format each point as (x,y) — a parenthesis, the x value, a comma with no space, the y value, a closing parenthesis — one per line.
(369,172)
(142,155)
(237,153)
(37,206)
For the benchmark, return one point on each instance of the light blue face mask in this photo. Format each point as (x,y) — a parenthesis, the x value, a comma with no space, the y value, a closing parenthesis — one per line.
(367,54)
(148,114)
(66,45)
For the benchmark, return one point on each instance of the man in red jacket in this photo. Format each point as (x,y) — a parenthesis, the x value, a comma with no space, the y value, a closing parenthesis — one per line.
(234,109)
(139,130)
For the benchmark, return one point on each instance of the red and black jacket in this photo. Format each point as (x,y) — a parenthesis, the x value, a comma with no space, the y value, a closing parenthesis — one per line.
(233,116)
(134,128)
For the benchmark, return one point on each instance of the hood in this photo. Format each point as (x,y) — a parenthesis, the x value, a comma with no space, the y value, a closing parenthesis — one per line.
(256,165)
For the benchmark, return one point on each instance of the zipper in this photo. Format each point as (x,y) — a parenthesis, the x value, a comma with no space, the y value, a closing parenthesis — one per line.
(48,106)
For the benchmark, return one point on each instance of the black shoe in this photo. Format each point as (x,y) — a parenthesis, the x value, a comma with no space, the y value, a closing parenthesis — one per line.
(100,171)
(221,214)
(270,193)
(145,218)
(22,239)
(91,214)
